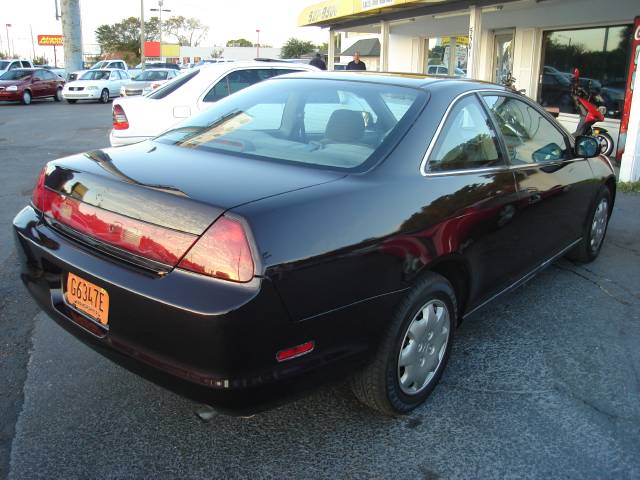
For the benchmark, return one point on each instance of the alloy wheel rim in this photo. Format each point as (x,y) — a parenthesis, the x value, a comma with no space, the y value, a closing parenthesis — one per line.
(599,224)
(423,347)
(59,94)
(27,98)
(105,96)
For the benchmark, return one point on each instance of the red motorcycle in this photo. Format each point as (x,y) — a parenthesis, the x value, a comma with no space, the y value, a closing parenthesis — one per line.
(591,110)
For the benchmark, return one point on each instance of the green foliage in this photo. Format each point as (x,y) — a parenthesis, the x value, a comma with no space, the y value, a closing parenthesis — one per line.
(124,36)
(188,32)
(239,42)
(3,55)
(217,53)
(40,60)
(323,47)
(295,48)
(629,187)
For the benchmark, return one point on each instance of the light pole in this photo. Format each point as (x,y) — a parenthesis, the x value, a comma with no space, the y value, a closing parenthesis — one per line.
(8,42)
(142,39)
(160,10)
(258,44)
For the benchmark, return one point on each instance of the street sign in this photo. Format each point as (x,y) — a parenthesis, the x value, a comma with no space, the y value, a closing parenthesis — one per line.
(50,40)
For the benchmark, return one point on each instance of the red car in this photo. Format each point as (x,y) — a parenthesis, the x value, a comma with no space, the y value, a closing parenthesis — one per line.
(25,84)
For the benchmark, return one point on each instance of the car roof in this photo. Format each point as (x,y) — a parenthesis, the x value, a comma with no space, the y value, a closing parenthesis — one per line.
(415,80)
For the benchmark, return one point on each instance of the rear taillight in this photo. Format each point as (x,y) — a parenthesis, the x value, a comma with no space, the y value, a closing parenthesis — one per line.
(135,236)
(223,252)
(37,197)
(120,121)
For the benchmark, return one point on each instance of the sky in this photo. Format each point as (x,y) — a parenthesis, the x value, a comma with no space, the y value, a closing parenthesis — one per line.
(276,19)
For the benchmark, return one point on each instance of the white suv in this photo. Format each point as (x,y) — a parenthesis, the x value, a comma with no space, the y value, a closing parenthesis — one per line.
(136,119)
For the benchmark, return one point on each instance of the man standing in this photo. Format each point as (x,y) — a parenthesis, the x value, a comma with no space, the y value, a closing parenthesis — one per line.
(318,62)
(356,63)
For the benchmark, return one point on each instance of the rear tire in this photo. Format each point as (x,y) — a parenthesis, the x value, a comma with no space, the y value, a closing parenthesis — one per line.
(58,96)
(71,101)
(26,97)
(104,96)
(595,229)
(413,351)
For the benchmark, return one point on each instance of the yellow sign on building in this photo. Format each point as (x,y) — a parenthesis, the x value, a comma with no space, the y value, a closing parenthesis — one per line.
(319,13)
(170,50)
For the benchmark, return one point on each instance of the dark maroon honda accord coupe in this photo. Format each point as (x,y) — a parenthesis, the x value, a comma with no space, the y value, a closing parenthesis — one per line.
(310,226)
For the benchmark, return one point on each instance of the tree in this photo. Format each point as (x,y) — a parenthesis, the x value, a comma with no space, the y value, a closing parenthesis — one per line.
(323,47)
(295,48)
(240,42)
(124,36)
(217,52)
(189,32)
(41,60)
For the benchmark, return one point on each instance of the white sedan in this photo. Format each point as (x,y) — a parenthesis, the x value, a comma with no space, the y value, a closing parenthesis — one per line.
(98,85)
(140,118)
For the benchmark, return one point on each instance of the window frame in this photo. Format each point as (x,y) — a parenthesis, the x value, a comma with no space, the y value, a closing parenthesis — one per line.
(424,164)
(497,139)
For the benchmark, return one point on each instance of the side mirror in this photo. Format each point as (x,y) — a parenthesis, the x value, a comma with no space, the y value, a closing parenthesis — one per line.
(586,147)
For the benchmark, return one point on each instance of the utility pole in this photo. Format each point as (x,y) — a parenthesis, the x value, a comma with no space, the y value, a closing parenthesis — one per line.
(142,38)
(258,44)
(8,41)
(33,44)
(160,10)
(72,33)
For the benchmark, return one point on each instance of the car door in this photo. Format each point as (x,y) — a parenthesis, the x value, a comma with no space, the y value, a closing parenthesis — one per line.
(50,82)
(475,212)
(554,186)
(115,81)
(38,85)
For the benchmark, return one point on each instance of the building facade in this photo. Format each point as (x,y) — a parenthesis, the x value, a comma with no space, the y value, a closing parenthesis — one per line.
(538,42)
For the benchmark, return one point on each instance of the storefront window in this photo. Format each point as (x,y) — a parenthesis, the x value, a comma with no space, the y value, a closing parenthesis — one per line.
(447,56)
(601,55)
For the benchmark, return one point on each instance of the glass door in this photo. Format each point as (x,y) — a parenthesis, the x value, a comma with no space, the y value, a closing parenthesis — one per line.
(503,55)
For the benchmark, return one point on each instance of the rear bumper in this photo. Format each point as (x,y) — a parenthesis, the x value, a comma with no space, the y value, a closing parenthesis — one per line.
(118,140)
(209,340)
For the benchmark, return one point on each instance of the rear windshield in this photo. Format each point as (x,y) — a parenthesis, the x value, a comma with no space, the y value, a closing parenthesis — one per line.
(3,64)
(16,74)
(327,123)
(96,75)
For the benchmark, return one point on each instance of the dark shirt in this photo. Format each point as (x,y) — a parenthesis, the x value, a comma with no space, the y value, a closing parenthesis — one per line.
(356,66)
(318,63)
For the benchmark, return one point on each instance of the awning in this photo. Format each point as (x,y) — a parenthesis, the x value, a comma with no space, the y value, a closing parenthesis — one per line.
(368,47)
(328,12)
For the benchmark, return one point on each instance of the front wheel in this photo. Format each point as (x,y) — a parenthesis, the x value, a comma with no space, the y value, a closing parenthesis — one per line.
(104,96)
(71,101)
(414,351)
(606,143)
(26,97)
(595,229)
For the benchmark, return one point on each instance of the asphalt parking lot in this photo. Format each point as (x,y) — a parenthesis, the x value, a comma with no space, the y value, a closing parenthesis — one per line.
(543,383)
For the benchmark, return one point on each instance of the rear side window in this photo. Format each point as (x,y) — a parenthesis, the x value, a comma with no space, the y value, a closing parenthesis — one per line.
(26,64)
(465,141)
(241,79)
(173,85)
(528,135)
(218,91)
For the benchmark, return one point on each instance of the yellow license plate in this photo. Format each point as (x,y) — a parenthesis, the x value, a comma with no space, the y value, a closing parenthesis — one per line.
(88,298)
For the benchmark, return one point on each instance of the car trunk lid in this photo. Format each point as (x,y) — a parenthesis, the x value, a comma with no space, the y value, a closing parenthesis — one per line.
(153,201)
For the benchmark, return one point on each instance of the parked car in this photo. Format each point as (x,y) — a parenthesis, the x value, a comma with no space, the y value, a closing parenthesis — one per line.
(139,118)
(147,65)
(100,85)
(147,81)
(297,231)
(13,63)
(103,64)
(58,71)
(26,84)
(444,70)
